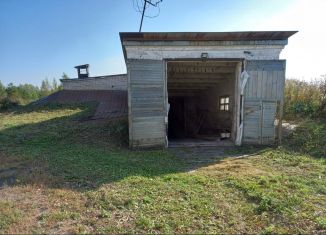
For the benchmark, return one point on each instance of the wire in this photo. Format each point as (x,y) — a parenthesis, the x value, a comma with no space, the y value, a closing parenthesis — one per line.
(145,5)
(158,13)
(139,8)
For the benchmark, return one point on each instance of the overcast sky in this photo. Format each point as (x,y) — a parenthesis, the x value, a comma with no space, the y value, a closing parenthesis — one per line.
(44,38)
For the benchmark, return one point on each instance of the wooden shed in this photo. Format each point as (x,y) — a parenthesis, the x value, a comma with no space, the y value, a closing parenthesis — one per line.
(216,88)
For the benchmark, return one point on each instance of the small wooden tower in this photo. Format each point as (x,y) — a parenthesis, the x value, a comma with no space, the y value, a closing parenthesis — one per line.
(82,70)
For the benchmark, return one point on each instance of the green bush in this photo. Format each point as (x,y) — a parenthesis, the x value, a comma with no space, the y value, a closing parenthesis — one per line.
(305,99)
(310,137)
(119,130)
(11,95)
(7,103)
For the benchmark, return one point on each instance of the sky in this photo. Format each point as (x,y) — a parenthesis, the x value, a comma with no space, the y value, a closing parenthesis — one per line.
(45,38)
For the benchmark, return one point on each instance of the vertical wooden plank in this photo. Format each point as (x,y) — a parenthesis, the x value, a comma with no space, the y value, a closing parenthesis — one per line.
(264,85)
(272,84)
(147,90)
(269,84)
(282,77)
(274,87)
(259,84)
(269,87)
(247,88)
(261,119)
(252,96)
(251,122)
(268,116)
(236,110)
(251,84)
(278,85)
(129,105)
(254,84)
(166,101)
(282,86)
(280,122)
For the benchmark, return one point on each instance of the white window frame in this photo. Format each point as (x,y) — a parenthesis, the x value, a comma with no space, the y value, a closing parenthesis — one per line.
(224,101)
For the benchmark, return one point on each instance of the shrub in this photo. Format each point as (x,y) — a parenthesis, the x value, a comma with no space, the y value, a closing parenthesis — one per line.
(7,103)
(310,137)
(305,99)
(119,130)
(23,94)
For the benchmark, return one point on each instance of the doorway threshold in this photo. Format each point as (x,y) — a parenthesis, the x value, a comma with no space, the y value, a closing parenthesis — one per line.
(181,143)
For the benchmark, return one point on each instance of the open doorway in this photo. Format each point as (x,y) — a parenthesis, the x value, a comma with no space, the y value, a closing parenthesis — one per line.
(201,97)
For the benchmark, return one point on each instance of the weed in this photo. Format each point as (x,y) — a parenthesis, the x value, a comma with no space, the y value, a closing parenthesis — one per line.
(8,214)
(321,221)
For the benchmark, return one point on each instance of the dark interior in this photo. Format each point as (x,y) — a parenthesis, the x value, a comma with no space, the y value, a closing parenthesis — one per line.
(201,100)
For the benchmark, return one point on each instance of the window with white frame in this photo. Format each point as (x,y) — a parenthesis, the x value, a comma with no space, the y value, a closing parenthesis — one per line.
(224,103)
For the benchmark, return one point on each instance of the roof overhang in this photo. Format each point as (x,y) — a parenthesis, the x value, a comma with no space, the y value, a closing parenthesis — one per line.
(207,36)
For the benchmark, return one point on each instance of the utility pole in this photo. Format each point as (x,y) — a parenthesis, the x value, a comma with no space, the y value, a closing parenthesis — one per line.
(142,16)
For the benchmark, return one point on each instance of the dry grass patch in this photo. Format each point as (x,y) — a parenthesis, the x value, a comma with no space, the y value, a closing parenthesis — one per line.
(236,166)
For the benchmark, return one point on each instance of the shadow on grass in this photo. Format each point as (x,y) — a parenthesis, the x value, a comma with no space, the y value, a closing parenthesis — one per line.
(69,152)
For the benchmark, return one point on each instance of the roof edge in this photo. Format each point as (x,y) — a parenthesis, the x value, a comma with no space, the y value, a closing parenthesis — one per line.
(92,78)
(206,36)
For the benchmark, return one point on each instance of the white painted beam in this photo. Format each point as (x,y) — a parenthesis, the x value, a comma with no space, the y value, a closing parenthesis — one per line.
(249,52)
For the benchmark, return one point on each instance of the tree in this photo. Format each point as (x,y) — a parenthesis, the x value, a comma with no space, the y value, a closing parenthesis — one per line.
(13,94)
(322,89)
(45,88)
(29,92)
(54,84)
(64,76)
(3,93)
(23,94)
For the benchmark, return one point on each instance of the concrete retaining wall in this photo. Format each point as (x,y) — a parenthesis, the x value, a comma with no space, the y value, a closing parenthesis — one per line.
(111,82)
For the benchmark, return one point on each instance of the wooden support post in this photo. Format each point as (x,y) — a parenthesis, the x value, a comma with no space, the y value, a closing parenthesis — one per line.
(280,122)
(261,122)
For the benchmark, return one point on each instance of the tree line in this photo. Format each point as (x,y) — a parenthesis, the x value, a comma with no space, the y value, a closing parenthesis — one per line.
(12,95)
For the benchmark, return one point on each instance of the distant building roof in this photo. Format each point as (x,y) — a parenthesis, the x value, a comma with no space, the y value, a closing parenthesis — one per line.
(206,36)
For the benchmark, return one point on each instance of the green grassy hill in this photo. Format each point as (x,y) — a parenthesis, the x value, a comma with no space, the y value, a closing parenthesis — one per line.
(61,173)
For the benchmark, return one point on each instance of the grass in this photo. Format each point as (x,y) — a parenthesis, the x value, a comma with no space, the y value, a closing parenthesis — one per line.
(310,137)
(72,175)
(8,214)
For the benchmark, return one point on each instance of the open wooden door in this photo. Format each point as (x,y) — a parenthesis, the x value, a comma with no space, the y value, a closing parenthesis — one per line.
(264,89)
(146,103)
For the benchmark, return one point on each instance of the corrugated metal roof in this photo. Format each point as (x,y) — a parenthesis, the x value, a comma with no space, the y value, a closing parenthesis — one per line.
(206,36)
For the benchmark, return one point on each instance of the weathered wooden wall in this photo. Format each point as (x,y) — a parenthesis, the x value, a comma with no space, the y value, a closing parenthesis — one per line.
(264,91)
(147,105)
(147,84)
